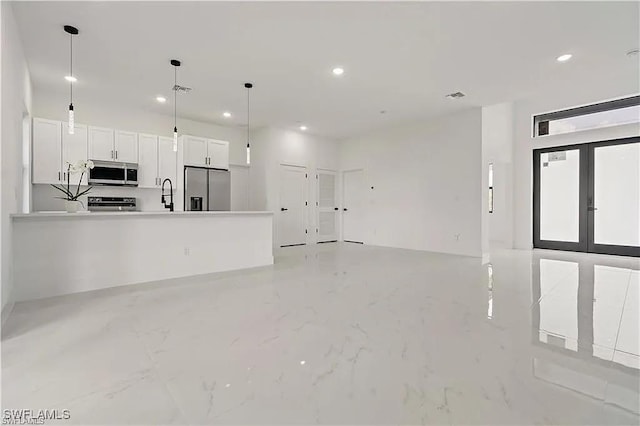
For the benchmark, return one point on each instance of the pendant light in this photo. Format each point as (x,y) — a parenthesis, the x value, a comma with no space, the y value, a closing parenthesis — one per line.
(248,86)
(175,64)
(71,122)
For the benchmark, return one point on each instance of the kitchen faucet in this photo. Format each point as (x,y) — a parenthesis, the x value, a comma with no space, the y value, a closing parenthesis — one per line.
(164,202)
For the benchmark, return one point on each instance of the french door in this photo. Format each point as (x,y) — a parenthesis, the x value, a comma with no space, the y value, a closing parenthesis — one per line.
(587,197)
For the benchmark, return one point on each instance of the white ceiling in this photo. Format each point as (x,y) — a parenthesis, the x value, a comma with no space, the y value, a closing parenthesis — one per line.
(399,57)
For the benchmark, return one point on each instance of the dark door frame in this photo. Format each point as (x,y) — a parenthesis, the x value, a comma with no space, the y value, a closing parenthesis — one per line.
(585,204)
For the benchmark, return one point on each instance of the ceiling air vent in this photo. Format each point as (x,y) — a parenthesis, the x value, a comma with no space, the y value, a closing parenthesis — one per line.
(456,95)
(179,88)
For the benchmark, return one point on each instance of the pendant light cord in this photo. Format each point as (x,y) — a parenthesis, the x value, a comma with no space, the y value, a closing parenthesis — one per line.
(71,68)
(248,115)
(175,96)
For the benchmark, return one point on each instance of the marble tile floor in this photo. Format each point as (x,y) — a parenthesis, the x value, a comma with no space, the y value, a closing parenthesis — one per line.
(342,334)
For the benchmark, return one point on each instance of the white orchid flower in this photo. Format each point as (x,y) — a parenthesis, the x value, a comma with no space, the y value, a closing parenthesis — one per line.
(73,168)
(90,164)
(81,167)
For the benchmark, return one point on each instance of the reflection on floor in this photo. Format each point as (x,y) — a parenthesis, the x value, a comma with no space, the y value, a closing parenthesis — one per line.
(342,333)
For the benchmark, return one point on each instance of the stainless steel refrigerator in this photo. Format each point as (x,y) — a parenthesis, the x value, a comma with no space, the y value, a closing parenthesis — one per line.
(207,189)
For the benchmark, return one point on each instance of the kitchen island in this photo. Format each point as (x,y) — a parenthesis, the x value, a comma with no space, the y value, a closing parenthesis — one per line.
(64,253)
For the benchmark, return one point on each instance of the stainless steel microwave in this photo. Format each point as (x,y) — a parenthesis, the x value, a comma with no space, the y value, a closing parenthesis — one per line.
(113,173)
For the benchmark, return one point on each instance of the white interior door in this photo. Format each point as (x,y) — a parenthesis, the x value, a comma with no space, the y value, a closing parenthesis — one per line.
(353,206)
(291,214)
(327,211)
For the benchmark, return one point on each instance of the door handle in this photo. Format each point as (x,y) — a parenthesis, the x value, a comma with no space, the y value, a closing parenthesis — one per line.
(336,209)
(282,209)
(345,209)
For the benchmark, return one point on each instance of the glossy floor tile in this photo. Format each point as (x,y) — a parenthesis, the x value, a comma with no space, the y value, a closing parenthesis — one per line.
(342,334)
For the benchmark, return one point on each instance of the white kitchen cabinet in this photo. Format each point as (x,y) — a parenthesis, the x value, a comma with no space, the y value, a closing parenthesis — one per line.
(101,144)
(126,146)
(195,151)
(147,161)
(167,161)
(218,153)
(204,152)
(109,145)
(157,161)
(74,150)
(46,151)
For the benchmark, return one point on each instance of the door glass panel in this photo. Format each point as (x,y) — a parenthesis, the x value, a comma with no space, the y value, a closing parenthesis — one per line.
(327,189)
(559,195)
(617,195)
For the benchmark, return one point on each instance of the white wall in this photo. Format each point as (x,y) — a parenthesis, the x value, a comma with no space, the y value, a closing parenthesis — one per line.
(16,103)
(524,143)
(271,147)
(497,147)
(426,181)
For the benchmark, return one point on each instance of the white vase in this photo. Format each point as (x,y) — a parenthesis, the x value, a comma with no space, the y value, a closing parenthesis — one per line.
(72,206)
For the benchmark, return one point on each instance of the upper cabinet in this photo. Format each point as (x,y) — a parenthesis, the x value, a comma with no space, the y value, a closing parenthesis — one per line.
(218,154)
(157,161)
(101,143)
(167,160)
(47,151)
(74,150)
(195,151)
(204,152)
(54,148)
(147,161)
(126,146)
(109,145)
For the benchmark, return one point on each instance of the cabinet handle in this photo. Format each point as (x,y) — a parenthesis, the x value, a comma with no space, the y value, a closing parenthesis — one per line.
(116,154)
(112,154)
(58,175)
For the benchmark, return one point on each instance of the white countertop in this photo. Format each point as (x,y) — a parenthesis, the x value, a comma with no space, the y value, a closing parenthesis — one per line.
(111,215)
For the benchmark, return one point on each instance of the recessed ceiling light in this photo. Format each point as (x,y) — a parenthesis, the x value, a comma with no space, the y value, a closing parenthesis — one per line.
(226,114)
(70,78)
(303,128)
(564,58)
(161,99)
(338,71)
